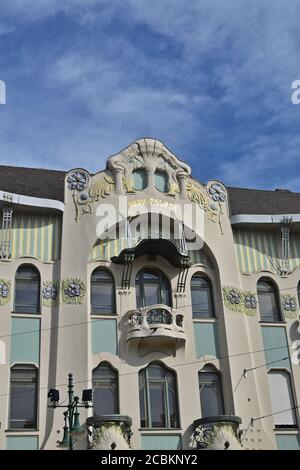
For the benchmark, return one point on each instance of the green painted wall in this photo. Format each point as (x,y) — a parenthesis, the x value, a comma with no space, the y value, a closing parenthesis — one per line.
(288,442)
(104,336)
(161,442)
(25,340)
(276,346)
(22,443)
(206,339)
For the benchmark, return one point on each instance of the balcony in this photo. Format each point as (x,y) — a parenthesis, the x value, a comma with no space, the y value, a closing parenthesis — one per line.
(217,433)
(154,325)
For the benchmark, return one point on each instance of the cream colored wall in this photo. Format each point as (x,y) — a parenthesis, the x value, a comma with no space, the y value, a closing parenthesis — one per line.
(66,335)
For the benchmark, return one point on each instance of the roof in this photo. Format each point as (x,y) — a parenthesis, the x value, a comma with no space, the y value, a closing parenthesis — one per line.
(49,184)
(256,201)
(46,184)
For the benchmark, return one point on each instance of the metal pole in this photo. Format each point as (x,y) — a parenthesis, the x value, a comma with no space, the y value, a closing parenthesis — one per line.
(70,408)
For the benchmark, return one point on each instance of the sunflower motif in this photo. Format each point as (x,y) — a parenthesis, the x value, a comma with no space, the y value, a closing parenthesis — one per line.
(77,180)
(250,301)
(234,297)
(4,290)
(217,192)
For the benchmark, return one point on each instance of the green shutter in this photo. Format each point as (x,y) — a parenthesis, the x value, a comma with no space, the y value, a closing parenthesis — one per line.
(104,336)
(288,442)
(276,346)
(22,443)
(206,339)
(161,442)
(25,340)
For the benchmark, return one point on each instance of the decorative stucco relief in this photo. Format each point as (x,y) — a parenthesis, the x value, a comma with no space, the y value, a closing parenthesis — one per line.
(4,291)
(289,305)
(72,291)
(50,293)
(240,301)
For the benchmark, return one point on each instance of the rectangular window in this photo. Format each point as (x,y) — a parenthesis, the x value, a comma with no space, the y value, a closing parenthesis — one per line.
(282,400)
(23,397)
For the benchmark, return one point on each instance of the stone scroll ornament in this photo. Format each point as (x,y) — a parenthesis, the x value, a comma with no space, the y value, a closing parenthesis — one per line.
(289,305)
(237,300)
(4,291)
(72,291)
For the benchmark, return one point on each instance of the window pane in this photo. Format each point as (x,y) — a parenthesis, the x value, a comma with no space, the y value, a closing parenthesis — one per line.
(105,390)
(201,298)
(23,400)
(27,290)
(139,180)
(281,398)
(151,294)
(143,402)
(157,400)
(268,303)
(102,293)
(172,397)
(210,394)
(161,181)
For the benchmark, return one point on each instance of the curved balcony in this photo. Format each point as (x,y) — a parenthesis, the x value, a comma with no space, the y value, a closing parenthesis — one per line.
(223,429)
(157,321)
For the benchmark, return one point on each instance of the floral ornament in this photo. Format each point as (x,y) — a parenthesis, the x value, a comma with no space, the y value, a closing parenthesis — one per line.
(4,290)
(234,297)
(199,438)
(72,291)
(237,300)
(217,192)
(250,301)
(50,292)
(289,305)
(134,319)
(77,180)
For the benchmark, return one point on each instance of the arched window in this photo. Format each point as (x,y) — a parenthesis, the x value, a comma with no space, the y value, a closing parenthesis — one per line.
(202,298)
(282,398)
(161,181)
(158,397)
(139,179)
(102,292)
(268,301)
(27,289)
(105,390)
(23,397)
(152,287)
(211,396)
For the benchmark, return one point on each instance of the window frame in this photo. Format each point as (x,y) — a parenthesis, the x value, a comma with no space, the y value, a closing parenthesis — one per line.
(209,287)
(288,375)
(161,279)
(104,381)
(209,369)
(33,308)
(145,390)
(165,175)
(273,289)
(110,278)
(24,367)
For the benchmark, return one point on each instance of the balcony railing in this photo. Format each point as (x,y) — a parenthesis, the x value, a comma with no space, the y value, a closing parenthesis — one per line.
(155,321)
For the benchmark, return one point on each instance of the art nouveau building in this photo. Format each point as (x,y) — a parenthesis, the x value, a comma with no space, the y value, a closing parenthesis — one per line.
(177,302)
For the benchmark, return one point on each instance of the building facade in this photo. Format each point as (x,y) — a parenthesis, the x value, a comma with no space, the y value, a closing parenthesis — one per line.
(176,302)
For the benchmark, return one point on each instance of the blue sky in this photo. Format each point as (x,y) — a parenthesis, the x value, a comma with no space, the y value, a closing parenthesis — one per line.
(211,79)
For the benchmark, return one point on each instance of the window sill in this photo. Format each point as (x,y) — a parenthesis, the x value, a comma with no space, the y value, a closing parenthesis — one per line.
(160,430)
(287,429)
(18,431)
(104,315)
(26,313)
(273,323)
(205,320)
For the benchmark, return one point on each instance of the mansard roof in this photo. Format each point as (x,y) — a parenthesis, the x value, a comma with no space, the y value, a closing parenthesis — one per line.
(49,184)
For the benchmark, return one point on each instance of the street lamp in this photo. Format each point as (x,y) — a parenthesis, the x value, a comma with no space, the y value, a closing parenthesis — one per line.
(72,425)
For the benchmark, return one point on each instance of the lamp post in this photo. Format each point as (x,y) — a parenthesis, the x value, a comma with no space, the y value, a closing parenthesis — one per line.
(72,425)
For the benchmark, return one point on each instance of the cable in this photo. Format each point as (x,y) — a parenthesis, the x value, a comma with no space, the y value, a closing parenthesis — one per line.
(112,316)
(198,361)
